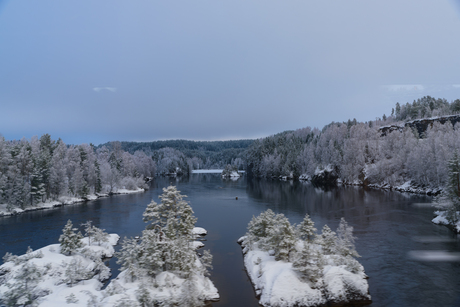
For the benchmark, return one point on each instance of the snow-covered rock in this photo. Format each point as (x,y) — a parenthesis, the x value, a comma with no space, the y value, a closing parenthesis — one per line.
(199,231)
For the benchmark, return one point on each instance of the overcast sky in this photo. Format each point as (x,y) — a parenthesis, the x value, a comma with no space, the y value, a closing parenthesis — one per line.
(102,70)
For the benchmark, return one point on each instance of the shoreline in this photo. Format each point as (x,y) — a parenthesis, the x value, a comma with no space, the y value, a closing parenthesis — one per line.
(64,201)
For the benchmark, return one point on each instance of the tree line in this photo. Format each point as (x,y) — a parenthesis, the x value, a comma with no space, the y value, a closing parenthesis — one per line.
(358,153)
(42,169)
(187,155)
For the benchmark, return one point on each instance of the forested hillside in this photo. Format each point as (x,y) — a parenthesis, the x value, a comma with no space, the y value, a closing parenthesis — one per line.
(358,153)
(42,170)
(185,155)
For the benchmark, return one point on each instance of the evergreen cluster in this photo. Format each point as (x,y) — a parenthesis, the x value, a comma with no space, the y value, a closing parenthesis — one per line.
(166,245)
(425,107)
(300,244)
(22,281)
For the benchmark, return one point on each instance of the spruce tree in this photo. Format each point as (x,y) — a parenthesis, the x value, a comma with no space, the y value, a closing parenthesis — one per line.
(327,240)
(451,195)
(345,242)
(70,241)
(306,229)
(309,264)
(173,215)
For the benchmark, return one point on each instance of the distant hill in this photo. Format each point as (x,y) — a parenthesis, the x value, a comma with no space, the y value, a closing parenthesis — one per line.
(213,154)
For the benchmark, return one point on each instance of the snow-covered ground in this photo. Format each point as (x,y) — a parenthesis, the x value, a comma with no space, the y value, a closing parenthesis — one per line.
(441,219)
(207,171)
(279,284)
(50,278)
(62,201)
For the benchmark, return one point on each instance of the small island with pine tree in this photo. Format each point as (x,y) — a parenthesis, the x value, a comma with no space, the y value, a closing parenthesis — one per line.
(292,265)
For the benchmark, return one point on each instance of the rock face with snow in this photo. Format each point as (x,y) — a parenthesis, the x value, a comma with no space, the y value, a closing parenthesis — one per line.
(293,266)
(325,176)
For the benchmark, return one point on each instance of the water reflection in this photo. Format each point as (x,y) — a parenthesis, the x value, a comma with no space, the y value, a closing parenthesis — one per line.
(387,225)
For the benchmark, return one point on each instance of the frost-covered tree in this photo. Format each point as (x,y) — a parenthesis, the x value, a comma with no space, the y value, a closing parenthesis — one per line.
(173,215)
(306,229)
(450,198)
(345,243)
(327,240)
(75,271)
(70,241)
(129,258)
(89,230)
(206,260)
(309,263)
(99,235)
(23,290)
(272,232)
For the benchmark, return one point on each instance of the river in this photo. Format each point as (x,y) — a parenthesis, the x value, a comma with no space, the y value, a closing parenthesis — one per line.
(388,226)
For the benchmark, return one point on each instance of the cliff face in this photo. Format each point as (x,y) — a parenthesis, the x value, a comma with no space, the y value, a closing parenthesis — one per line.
(421,125)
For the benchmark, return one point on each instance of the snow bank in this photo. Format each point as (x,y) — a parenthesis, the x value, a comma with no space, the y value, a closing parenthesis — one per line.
(277,283)
(441,219)
(62,201)
(126,191)
(166,287)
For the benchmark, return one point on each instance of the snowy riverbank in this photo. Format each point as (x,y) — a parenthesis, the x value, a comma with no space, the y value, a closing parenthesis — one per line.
(6,210)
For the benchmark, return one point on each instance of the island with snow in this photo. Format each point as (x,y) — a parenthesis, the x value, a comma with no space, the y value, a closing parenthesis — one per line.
(160,268)
(231,171)
(293,266)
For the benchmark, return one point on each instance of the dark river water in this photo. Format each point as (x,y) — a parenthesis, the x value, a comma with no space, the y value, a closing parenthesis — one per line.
(388,226)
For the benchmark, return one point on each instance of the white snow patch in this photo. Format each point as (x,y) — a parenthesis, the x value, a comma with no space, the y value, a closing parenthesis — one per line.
(207,171)
(199,231)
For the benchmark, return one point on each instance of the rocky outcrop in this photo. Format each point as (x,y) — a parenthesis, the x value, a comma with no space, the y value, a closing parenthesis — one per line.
(421,125)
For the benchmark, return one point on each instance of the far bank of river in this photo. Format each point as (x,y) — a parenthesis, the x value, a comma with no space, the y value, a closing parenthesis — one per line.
(388,227)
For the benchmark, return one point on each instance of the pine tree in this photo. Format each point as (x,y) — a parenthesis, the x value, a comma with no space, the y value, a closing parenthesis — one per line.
(70,241)
(24,291)
(451,195)
(306,229)
(328,240)
(309,264)
(100,236)
(259,227)
(75,272)
(282,236)
(143,296)
(206,261)
(345,242)
(129,258)
(173,215)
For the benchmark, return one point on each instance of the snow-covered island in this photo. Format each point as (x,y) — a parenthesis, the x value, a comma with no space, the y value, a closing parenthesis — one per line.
(293,266)
(67,273)
(160,268)
(231,171)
